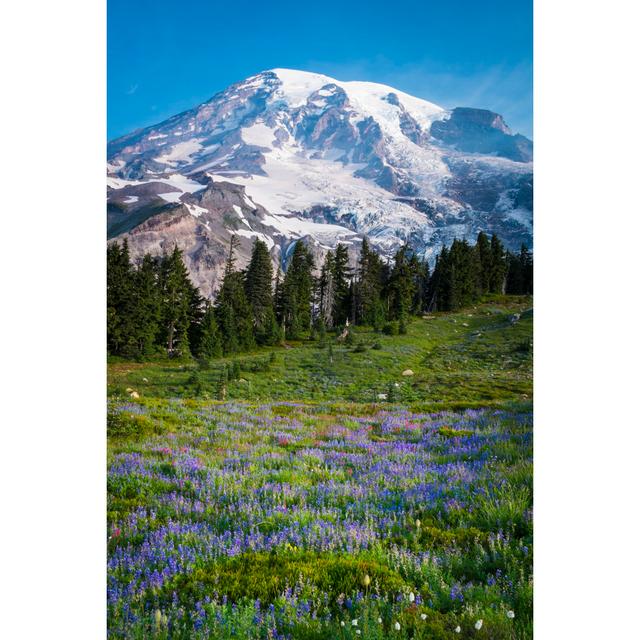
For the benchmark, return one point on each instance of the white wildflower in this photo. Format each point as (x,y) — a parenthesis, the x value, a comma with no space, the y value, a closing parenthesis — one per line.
(423,616)
(511,615)
(354,622)
(457,629)
(342,623)
(411,597)
(379,620)
(396,626)
(478,625)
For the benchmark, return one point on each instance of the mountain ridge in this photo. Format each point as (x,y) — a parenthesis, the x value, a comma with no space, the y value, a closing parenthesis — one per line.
(287,155)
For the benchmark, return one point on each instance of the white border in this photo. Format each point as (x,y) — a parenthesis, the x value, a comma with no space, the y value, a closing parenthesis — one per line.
(586,329)
(53,116)
(52,319)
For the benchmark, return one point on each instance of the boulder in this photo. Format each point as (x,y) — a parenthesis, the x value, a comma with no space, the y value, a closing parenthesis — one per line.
(134,394)
(407,372)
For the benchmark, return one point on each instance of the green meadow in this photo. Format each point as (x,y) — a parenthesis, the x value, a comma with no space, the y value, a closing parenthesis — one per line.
(380,488)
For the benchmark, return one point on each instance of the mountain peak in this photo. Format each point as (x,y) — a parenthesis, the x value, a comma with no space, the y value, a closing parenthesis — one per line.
(289,154)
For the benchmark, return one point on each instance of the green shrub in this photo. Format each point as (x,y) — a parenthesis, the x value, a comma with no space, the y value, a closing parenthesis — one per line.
(266,576)
(195,383)
(525,346)
(129,425)
(391,328)
(433,537)
(204,364)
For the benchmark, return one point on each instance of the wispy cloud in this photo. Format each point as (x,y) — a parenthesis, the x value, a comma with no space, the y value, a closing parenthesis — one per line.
(502,88)
(132,89)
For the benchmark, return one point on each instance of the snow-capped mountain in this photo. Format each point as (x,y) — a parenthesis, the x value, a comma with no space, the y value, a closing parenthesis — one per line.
(289,154)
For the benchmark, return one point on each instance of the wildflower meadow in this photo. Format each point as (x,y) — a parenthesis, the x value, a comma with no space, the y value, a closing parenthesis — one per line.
(316,520)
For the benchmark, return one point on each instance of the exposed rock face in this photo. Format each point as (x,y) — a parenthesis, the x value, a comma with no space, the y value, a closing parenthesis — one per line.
(289,155)
(482,131)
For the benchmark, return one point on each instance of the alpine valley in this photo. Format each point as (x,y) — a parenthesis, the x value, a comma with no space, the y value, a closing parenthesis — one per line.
(288,155)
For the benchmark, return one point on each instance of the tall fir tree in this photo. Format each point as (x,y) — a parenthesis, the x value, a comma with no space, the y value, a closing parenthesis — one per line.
(146,307)
(401,285)
(278,300)
(465,274)
(297,291)
(176,303)
(341,285)
(497,279)
(210,345)
(258,287)
(371,275)
(485,257)
(420,273)
(233,312)
(120,298)
(326,291)
(519,272)
(526,263)
(441,286)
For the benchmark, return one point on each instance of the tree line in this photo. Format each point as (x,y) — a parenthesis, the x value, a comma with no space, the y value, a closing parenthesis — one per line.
(153,308)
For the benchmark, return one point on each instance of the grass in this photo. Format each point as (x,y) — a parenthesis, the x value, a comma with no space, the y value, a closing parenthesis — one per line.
(306,501)
(472,358)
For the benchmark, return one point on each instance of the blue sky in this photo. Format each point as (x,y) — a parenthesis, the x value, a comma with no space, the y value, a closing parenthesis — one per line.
(166,56)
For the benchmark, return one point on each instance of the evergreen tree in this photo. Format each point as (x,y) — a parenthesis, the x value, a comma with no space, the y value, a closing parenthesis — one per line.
(441,285)
(402,287)
(196,313)
(258,283)
(210,340)
(498,266)
(326,291)
(519,272)
(485,257)
(526,264)
(146,307)
(465,274)
(155,305)
(341,285)
(278,299)
(233,312)
(120,288)
(369,307)
(176,300)
(297,292)
(420,273)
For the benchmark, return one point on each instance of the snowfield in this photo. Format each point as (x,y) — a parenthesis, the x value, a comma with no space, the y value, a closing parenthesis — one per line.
(332,159)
